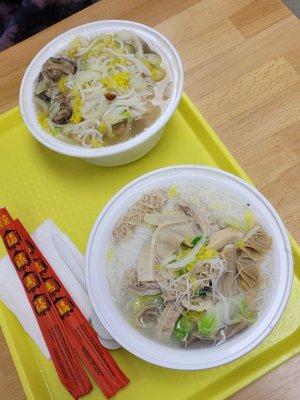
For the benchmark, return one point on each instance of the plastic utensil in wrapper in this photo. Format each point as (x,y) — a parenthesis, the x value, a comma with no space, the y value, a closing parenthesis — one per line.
(96,358)
(82,337)
(56,337)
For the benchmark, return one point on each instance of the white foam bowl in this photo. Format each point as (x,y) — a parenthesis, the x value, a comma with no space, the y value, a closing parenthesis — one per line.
(118,154)
(148,349)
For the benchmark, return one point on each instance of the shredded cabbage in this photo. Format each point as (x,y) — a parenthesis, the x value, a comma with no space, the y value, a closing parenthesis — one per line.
(114,82)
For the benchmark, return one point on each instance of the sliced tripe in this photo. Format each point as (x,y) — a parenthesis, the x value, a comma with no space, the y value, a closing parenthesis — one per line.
(147,204)
(222,237)
(167,321)
(167,238)
(228,284)
(145,264)
(202,305)
(257,244)
(198,213)
(159,219)
(133,285)
(251,275)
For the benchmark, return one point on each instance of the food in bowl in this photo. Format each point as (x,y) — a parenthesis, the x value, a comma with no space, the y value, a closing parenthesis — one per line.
(190,265)
(102,90)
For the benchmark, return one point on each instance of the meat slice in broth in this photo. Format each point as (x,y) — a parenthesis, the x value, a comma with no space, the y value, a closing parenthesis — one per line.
(197,304)
(198,214)
(228,283)
(167,321)
(141,288)
(236,328)
(145,264)
(194,278)
(148,204)
(224,236)
(167,238)
(257,244)
(163,219)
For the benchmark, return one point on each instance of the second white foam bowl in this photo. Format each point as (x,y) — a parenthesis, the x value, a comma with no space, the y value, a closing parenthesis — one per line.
(121,153)
(157,353)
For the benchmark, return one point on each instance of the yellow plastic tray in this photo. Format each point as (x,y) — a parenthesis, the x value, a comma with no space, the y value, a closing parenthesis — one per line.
(37,183)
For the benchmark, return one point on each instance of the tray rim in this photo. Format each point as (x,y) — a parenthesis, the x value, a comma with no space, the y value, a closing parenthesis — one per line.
(186,106)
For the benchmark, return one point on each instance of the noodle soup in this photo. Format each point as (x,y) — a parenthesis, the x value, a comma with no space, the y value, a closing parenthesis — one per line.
(190,265)
(102,90)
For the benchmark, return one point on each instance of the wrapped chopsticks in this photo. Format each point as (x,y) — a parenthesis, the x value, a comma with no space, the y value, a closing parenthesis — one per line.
(53,306)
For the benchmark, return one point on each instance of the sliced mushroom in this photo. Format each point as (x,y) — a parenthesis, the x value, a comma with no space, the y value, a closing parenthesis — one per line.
(56,67)
(61,110)
(43,88)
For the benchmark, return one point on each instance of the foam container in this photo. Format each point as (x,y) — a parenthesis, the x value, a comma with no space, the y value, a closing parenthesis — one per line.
(146,348)
(121,153)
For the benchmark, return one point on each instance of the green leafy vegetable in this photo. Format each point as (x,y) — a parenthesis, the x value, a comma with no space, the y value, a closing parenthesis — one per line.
(189,258)
(183,327)
(196,240)
(179,272)
(142,301)
(244,313)
(208,324)
(242,309)
(128,115)
(202,293)
(55,131)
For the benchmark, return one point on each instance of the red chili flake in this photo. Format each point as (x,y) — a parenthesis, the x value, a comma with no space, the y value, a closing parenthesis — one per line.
(110,96)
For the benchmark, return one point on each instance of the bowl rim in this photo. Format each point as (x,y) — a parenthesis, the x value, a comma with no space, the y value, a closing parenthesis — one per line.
(119,148)
(147,356)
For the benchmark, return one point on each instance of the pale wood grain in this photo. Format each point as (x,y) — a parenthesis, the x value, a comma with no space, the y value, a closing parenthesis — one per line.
(253,89)
(231,65)
(242,65)
(258,15)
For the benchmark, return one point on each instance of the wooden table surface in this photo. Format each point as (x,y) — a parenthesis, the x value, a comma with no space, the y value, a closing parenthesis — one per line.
(242,69)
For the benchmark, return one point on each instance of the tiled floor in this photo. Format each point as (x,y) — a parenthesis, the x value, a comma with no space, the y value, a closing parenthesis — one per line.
(294,6)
